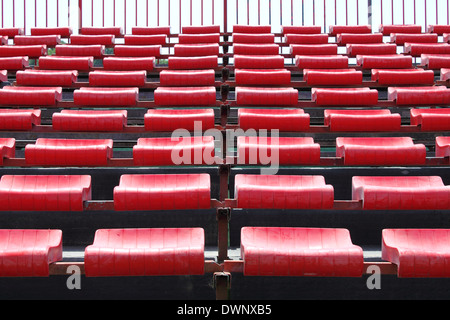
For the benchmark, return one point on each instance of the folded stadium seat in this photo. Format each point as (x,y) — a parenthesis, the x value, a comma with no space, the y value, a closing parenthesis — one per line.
(418,253)
(439,29)
(301,30)
(49,41)
(380,151)
(3,40)
(174,151)
(193,63)
(163,192)
(417,49)
(69,152)
(96,51)
(116,31)
(129,64)
(282,192)
(300,252)
(169,120)
(146,252)
(431,119)
(266,96)
(386,30)
(364,38)
(89,120)
(44,193)
(321,62)
(60,78)
(306,38)
(66,63)
(261,29)
(403,76)
(151,31)
(137,51)
(442,147)
(198,38)
(146,40)
(436,95)
(87,96)
(445,74)
(287,150)
(435,61)
(196,50)
(200,29)
(63,32)
(3,75)
(355,49)
(335,30)
(255,38)
(172,78)
(19,120)
(258,62)
(267,49)
(401,193)
(381,120)
(262,77)
(30,96)
(339,77)
(7,148)
(185,96)
(401,38)
(81,40)
(313,49)
(344,96)
(11,32)
(35,51)
(117,78)
(28,253)
(287,120)
(446,37)
(394,61)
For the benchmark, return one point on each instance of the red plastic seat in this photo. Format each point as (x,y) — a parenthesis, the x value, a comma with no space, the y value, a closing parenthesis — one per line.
(252,29)
(19,120)
(146,252)
(335,30)
(262,77)
(393,61)
(282,192)
(69,152)
(403,76)
(90,120)
(445,74)
(81,40)
(137,51)
(313,49)
(7,148)
(417,49)
(145,40)
(63,32)
(3,75)
(321,62)
(287,120)
(446,37)
(44,193)
(160,120)
(3,40)
(151,30)
(163,192)
(193,63)
(439,29)
(344,96)
(30,96)
(66,63)
(401,38)
(172,78)
(380,151)
(14,63)
(49,41)
(364,38)
(129,64)
(106,96)
(117,78)
(28,253)
(96,51)
(442,147)
(431,119)
(116,31)
(258,62)
(436,95)
(267,49)
(401,193)
(300,252)
(174,151)
(306,38)
(386,30)
(199,38)
(23,51)
(266,96)
(301,30)
(362,120)
(200,29)
(11,32)
(355,49)
(196,50)
(340,77)
(286,150)
(418,253)
(185,96)
(46,78)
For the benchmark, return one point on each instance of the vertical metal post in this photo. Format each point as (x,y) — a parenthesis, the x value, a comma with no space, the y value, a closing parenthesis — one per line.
(225,16)
(80,16)
(369,13)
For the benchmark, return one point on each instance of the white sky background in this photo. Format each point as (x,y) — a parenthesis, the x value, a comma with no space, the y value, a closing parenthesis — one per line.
(302,9)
